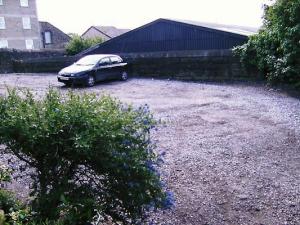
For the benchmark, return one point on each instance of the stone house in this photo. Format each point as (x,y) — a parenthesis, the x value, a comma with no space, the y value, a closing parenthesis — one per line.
(52,37)
(19,25)
(104,32)
(21,29)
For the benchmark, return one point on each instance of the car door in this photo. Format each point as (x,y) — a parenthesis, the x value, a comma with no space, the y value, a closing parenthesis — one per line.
(104,69)
(117,66)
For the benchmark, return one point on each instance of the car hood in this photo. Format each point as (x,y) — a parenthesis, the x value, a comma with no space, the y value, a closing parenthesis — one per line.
(76,69)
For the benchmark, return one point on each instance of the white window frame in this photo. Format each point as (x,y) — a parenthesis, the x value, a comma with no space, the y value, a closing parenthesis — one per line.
(26,21)
(2,23)
(29,44)
(24,3)
(48,37)
(1,2)
(3,43)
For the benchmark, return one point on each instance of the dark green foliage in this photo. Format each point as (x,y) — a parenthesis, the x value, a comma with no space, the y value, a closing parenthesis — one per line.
(89,154)
(275,50)
(78,44)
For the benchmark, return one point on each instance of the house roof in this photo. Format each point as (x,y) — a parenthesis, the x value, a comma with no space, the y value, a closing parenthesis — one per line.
(242,30)
(108,31)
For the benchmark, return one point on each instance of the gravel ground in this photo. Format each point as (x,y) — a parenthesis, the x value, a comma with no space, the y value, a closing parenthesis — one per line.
(233,151)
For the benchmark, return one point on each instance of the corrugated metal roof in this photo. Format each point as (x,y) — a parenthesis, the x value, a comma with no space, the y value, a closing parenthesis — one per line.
(219,37)
(242,30)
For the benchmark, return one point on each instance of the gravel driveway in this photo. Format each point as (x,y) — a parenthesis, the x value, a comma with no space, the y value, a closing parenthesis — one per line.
(233,151)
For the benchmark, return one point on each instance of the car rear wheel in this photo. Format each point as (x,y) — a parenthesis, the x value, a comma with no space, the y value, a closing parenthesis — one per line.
(124,76)
(90,81)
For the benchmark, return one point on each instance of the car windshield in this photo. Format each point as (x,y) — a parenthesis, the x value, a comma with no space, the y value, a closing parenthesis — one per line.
(89,60)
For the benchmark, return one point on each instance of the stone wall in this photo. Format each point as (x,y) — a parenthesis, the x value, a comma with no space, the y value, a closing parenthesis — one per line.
(43,65)
(188,65)
(8,58)
(213,65)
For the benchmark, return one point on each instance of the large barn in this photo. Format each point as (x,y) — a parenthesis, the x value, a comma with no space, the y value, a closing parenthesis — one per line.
(172,35)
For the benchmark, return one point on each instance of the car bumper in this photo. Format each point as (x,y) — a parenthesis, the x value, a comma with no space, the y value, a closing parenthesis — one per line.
(73,80)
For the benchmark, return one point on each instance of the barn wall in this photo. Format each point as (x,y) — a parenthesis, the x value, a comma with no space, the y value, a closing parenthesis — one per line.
(213,65)
(168,36)
(218,65)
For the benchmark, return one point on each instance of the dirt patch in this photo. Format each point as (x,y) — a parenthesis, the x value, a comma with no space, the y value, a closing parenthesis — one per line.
(233,152)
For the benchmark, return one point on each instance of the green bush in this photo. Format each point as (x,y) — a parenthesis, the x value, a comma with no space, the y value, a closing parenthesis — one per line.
(12,211)
(78,44)
(8,201)
(91,155)
(275,50)
(2,217)
(5,174)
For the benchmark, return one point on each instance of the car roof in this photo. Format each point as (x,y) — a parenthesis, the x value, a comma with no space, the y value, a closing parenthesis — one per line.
(99,56)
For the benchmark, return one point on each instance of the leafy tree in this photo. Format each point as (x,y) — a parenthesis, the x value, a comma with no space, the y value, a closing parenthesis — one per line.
(78,44)
(275,50)
(87,155)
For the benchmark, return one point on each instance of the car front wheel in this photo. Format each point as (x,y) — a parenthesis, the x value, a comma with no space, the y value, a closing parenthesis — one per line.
(124,76)
(68,84)
(90,81)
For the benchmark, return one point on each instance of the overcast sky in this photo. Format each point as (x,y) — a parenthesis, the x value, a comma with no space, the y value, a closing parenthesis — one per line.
(76,16)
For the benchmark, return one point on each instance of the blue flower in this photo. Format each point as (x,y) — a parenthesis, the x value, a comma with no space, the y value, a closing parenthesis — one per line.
(126,142)
(151,206)
(163,153)
(150,165)
(169,201)
(146,122)
(160,160)
(131,184)
(125,166)
(162,184)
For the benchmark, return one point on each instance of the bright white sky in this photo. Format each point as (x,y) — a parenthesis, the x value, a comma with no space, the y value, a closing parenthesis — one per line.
(77,16)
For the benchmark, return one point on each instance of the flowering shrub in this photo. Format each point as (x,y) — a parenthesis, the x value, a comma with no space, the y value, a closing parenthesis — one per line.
(89,156)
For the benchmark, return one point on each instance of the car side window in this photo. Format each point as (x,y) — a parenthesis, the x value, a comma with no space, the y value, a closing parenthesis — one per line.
(115,60)
(104,62)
